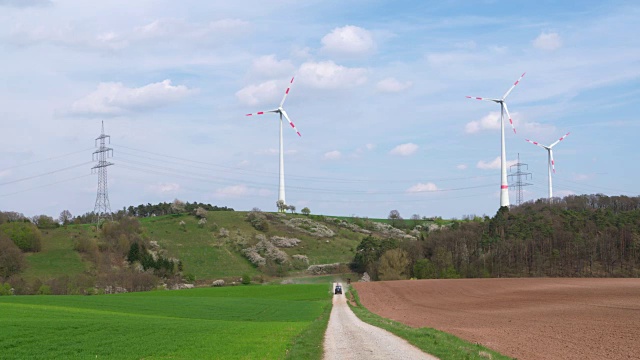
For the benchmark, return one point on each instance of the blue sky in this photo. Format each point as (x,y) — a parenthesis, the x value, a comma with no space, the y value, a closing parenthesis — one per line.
(379,98)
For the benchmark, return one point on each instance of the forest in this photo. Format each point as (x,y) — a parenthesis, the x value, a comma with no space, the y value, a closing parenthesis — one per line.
(576,236)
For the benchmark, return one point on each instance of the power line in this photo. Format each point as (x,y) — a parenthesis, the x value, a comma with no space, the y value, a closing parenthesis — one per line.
(47,159)
(45,185)
(44,174)
(520,176)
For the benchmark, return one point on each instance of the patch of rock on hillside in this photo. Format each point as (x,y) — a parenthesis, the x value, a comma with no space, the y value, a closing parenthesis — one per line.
(309,226)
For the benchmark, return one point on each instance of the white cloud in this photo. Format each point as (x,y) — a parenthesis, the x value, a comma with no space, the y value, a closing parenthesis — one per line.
(548,41)
(392,85)
(329,75)
(259,94)
(423,187)
(332,155)
(488,122)
(164,188)
(115,99)
(178,28)
(232,191)
(270,66)
(494,164)
(404,149)
(370,146)
(348,40)
(461,167)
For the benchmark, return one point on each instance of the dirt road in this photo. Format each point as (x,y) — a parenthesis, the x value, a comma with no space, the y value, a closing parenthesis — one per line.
(524,318)
(347,337)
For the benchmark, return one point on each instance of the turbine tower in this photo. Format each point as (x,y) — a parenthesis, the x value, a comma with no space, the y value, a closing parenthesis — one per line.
(102,208)
(280,110)
(551,164)
(504,187)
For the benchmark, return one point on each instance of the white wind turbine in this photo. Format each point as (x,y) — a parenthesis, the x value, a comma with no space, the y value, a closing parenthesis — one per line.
(551,163)
(280,110)
(504,187)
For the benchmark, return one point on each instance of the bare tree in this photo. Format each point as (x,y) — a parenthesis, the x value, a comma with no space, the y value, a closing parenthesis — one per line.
(177,206)
(65,217)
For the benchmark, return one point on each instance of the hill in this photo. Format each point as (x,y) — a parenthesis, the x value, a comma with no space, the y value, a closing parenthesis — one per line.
(213,245)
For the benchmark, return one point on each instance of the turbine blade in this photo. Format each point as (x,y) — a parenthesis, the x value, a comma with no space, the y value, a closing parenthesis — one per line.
(557,141)
(286,92)
(535,143)
(553,163)
(264,112)
(479,98)
(290,122)
(512,86)
(509,115)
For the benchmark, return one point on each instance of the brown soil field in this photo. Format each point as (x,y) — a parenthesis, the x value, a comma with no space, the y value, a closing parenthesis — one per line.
(539,318)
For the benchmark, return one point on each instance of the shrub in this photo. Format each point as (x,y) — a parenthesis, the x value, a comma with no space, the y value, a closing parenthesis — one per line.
(258,220)
(44,290)
(5,289)
(25,235)
(12,260)
(246,279)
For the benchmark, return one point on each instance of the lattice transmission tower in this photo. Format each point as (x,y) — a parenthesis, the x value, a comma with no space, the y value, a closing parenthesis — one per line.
(102,208)
(521,177)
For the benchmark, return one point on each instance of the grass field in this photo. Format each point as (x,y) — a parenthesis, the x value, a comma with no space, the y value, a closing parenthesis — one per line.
(248,322)
(57,256)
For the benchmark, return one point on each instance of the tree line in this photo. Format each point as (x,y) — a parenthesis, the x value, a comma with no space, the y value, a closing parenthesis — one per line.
(576,236)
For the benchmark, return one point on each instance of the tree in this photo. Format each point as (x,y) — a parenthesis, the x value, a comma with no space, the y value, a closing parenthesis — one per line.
(394,216)
(292,208)
(65,217)
(282,207)
(424,269)
(11,258)
(44,222)
(394,265)
(177,206)
(24,234)
(305,211)
(416,219)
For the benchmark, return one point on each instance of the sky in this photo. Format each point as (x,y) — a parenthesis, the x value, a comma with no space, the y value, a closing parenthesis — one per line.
(378,97)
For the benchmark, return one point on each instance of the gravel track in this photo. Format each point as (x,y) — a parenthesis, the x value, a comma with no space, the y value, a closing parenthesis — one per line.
(348,337)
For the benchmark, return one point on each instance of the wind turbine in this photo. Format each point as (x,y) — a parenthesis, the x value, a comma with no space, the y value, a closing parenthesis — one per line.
(504,187)
(551,163)
(280,110)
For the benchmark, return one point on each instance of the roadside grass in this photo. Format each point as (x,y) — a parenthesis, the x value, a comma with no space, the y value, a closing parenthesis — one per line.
(440,344)
(244,322)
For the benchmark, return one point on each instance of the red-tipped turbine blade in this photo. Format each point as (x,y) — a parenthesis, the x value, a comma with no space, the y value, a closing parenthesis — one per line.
(475,97)
(509,116)
(286,92)
(258,113)
(512,86)
(535,143)
(557,141)
(553,163)
(291,123)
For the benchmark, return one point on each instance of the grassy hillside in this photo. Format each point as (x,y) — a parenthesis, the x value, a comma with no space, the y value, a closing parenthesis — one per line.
(248,322)
(207,252)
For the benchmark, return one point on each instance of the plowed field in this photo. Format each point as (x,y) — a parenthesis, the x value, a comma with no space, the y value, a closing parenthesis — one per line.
(522,318)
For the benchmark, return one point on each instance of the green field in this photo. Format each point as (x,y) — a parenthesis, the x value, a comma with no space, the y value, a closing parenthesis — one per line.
(245,322)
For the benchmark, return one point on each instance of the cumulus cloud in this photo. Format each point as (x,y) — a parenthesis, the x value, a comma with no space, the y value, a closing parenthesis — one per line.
(392,85)
(348,40)
(332,155)
(266,92)
(489,122)
(270,66)
(178,28)
(461,167)
(404,149)
(423,187)
(548,41)
(329,75)
(113,98)
(494,164)
(164,188)
(232,191)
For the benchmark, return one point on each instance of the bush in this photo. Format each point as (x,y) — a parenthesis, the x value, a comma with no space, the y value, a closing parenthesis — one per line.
(246,279)
(5,289)
(12,260)
(258,220)
(25,235)
(44,290)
